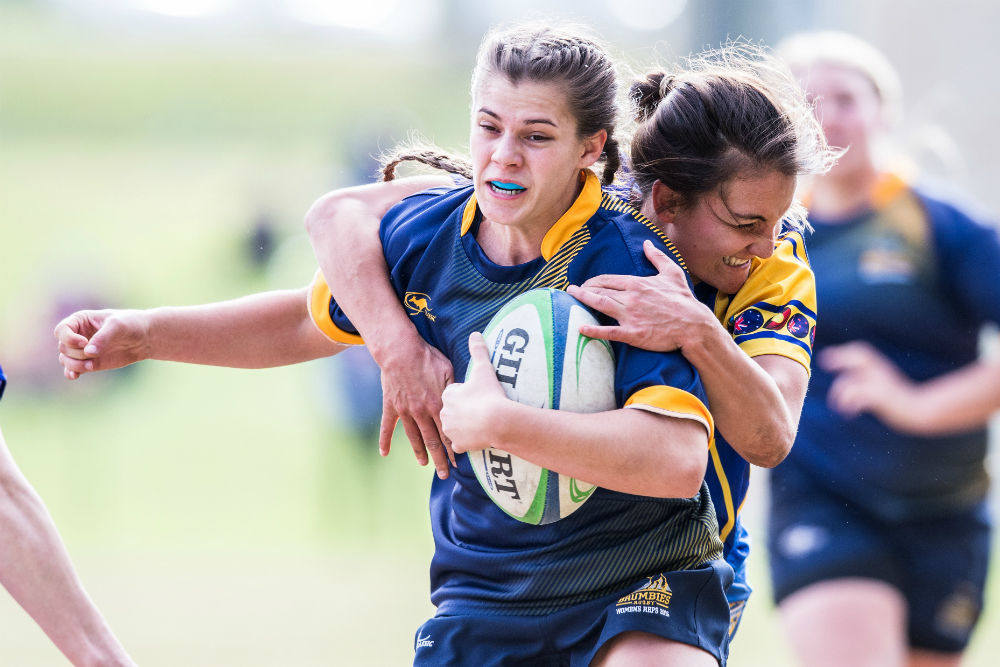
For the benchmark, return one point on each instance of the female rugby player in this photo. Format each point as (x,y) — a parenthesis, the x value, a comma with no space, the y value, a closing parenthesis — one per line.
(714,164)
(508,592)
(879,538)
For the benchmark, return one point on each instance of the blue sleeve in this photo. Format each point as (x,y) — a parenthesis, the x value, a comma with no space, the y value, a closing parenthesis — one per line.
(405,231)
(969,259)
(660,382)
(408,228)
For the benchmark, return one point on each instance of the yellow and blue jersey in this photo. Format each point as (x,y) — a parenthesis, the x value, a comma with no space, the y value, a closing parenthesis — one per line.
(774,312)
(916,277)
(486,562)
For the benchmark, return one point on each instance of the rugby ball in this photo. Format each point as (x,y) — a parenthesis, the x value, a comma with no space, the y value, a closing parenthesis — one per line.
(541,360)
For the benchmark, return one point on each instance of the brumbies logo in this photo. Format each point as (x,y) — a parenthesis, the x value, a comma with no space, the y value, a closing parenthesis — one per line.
(418,302)
(652,598)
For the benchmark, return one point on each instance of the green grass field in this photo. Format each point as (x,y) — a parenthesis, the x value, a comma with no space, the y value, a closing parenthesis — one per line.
(218,517)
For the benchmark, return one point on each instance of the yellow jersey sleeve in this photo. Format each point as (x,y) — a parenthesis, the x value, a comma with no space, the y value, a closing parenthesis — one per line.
(775,310)
(673,402)
(320,304)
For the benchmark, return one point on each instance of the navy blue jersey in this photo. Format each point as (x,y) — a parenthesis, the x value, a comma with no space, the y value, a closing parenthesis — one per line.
(486,562)
(916,278)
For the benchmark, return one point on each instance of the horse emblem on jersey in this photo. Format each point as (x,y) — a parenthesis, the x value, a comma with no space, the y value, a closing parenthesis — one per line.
(418,302)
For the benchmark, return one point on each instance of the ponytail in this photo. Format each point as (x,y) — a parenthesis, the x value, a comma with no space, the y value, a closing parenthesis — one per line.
(647,93)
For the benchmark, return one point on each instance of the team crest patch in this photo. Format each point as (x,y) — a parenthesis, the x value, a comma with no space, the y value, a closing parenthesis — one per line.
(958,613)
(418,302)
(652,598)
(886,265)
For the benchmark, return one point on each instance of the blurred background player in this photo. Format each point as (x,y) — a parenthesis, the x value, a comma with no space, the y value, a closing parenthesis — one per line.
(879,535)
(36,570)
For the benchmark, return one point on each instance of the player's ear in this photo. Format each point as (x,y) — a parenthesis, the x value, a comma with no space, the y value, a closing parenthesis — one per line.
(666,202)
(593,146)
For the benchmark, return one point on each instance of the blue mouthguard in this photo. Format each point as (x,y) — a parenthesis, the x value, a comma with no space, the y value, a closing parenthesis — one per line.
(507,186)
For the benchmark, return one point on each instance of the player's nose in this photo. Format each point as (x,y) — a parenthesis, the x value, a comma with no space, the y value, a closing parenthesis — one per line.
(762,247)
(506,151)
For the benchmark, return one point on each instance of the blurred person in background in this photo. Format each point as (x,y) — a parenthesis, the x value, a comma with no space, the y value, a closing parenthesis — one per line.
(879,534)
(36,570)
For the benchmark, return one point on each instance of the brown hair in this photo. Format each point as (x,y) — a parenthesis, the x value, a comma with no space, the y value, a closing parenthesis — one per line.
(730,110)
(565,56)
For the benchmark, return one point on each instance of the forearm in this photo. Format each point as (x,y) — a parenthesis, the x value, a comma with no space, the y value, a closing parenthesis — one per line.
(36,570)
(257,331)
(343,227)
(627,450)
(962,400)
(749,407)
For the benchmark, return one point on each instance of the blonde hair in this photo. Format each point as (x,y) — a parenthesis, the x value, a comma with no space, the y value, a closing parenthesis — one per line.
(805,49)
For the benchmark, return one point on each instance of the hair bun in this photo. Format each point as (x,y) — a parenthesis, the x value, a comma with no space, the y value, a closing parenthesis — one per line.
(647,93)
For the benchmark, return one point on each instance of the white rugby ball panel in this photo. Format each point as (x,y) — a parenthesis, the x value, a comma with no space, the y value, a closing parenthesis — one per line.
(572,494)
(542,360)
(511,482)
(588,377)
(520,356)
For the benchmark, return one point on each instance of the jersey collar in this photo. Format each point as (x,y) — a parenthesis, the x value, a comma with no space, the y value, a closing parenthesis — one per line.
(582,210)
(884,191)
(887,188)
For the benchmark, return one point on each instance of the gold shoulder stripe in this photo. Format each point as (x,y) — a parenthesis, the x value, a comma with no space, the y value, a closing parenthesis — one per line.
(555,270)
(612,203)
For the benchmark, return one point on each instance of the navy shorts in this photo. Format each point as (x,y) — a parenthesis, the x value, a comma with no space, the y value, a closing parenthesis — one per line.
(687,606)
(938,564)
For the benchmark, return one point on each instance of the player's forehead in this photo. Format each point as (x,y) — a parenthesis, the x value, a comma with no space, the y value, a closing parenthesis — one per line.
(833,78)
(523,102)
